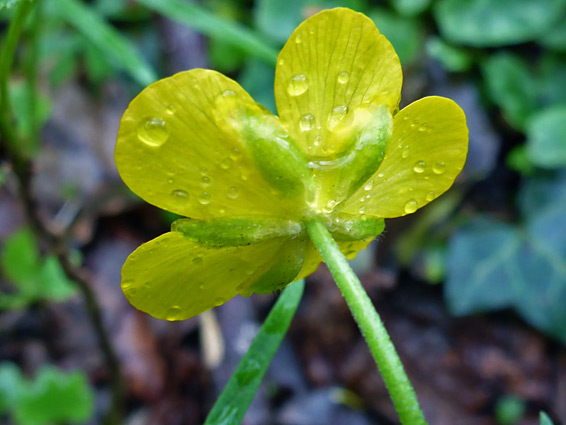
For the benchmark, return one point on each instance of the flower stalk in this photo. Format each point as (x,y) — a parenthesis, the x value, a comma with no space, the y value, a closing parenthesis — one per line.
(370,324)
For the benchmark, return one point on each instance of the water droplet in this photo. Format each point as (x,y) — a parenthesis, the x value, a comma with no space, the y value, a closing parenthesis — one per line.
(306,122)
(329,206)
(153,132)
(430,196)
(423,128)
(174,313)
(225,164)
(369,185)
(180,195)
(221,211)
(338,113)
(281,62)
(227,93)
(439,167)
(299,39)
(343,77)
(297,85)
(233,192)
(205,180)
(201,287)
(419,167)
(405,152)
(235,154)
(246,292)
(204,198)
(380,175)
(171,109)
(317,141)
(411,206)
(219,301)
(362,210)
(243,176)
(197,260)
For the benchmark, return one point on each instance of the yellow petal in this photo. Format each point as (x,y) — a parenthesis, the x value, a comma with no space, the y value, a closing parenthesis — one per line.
(333,63)
(426,152)
(173,152)
(173,278)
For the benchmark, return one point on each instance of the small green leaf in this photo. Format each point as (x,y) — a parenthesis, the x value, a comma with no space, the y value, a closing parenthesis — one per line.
(555,38)
(486,23)
(546,138)
(54,397)
(551,89)
(20,257)
(10,385)
(402,32)
(511,87)
(544,419)
(238,394)
(410,7)
(117,48)
(453,59)
(509,410)
(213,26)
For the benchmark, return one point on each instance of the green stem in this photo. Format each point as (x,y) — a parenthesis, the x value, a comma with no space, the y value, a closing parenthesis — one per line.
(369,322)
(6,59)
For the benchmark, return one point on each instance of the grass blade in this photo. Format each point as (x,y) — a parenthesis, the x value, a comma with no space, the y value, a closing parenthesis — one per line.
(238,394)
(119,49)
(205,22)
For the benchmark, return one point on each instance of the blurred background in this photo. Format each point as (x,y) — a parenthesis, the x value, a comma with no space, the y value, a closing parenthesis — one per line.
(472,287)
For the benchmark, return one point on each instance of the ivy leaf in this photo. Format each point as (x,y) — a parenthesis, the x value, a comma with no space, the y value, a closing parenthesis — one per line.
(544,419)
(546,137)
(485,23)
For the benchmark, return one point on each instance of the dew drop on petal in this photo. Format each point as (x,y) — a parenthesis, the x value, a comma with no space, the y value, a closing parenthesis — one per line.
(439,167)
(235,154)
(299,39)
(171,109)
(180,195)
(297,85)
(227,93)
(362,210)
(233,192)
(423,128)
(306,122)
(174,313)
(281,62)
(153,132)
(343,77)
(369,185)
(338,113)
(411,206)
(430,196)
(204,198)
(205,181)
(420,167)
(197,260)
(405,152)
(219,301)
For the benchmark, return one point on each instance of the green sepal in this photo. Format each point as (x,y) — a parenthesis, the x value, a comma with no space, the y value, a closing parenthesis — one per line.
(290,262)
(279,160)
(369,131)
(223,232)
(350,229)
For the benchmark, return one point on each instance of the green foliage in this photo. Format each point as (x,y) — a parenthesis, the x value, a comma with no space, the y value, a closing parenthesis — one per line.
(544,419)
(511,86)
(546,138)
(484,23)
(509,410)
(453,59)
(278,18)
(404,33)
(410,7)
(213,26)
(238,394)
(53,397)
(115,47)
(9,3)
(493,265)
(34,278)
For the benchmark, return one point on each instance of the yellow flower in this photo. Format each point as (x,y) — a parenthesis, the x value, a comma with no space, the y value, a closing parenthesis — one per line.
(196,144)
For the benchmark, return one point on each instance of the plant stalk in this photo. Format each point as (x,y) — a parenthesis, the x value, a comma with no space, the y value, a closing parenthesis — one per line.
(370,324)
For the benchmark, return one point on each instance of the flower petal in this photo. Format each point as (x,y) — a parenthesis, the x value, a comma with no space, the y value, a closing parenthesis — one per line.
(333,63)
(173,152)
(426,152)
(173,278)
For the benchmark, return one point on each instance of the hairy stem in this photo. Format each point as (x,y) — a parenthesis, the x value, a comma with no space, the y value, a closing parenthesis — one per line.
(370,324)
